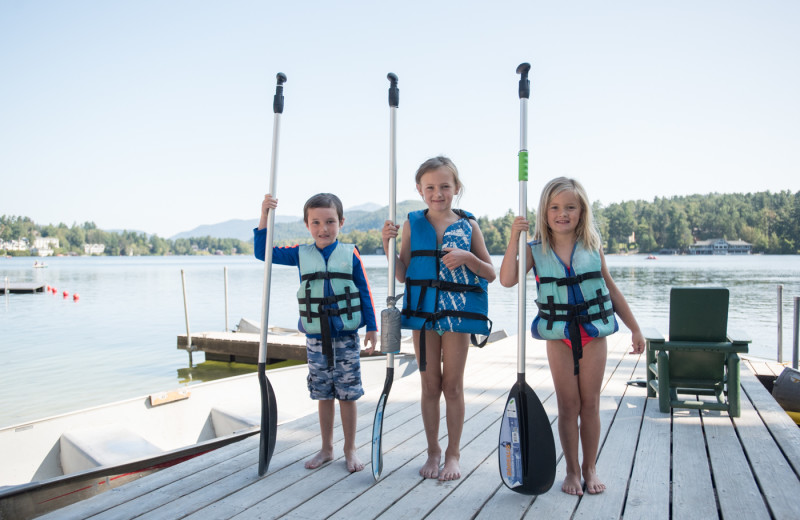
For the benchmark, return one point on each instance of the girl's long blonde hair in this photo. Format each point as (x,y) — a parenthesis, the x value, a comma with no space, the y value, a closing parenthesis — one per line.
(586,232)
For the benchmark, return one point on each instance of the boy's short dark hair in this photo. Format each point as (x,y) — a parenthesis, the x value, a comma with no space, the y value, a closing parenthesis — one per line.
(323,200)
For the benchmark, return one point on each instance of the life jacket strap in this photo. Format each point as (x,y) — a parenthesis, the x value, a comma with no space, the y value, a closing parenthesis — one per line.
(571,280)
(432,317)
(325,275)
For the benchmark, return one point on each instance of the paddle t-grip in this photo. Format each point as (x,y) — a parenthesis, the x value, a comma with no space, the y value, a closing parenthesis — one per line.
(524,82)
(394,92)
(277,101)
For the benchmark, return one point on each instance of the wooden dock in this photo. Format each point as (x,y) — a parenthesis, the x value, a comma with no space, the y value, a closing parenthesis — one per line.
(22,287)
(242,347)
(686,464)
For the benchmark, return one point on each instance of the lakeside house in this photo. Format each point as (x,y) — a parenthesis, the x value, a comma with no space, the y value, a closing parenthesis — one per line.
(94,249)
(720,246)
(44,246)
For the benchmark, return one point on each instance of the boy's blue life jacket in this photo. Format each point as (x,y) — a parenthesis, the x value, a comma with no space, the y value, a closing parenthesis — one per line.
(343,307)
(571,297)
(437,297)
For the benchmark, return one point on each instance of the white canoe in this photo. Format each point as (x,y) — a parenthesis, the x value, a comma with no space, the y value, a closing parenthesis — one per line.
(53,462)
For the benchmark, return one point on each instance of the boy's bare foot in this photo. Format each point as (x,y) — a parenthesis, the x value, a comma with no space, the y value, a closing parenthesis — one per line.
(319,459)
(431,467)
(572,485)
(353,462)
(451,469)
(593,483)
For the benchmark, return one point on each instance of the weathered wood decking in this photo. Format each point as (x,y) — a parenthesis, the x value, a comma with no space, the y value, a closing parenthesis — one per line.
(657,466)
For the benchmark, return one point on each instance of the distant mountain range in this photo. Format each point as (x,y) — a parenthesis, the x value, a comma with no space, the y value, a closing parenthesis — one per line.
(362,218)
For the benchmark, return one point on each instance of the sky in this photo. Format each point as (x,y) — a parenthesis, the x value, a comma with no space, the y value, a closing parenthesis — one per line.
(157,116)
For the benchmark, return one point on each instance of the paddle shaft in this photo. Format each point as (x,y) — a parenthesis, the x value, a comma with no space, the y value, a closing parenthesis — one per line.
(277,106)
(394,103)
(522,265)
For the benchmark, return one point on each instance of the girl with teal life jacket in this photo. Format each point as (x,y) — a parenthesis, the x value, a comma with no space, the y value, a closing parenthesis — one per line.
(445,266)
(577,300)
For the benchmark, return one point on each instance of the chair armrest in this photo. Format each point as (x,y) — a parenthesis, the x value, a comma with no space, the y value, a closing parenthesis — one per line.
(653,335)
(738,336)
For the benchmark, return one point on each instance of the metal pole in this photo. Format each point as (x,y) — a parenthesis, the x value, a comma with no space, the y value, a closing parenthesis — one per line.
(225,271)
(796,331)
(186,314)
(780,323)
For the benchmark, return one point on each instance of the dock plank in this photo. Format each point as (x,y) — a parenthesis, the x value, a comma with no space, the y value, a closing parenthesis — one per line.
(738,494)
(649,487)
(776,479)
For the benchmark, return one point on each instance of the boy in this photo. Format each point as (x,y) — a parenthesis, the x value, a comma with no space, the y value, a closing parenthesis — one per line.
(335,301)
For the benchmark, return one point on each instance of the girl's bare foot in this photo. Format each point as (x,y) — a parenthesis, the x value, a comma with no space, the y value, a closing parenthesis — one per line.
(431,467)
(353,462)
(593,483)
(451,469)
(319,459)
(572,485)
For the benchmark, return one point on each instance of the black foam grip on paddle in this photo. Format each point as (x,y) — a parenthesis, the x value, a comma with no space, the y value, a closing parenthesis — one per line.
(524,82)
(277,101)
(394,92)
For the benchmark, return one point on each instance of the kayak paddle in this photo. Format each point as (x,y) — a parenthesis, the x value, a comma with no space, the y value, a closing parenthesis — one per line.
(390,317)
(526,450)
(269,407)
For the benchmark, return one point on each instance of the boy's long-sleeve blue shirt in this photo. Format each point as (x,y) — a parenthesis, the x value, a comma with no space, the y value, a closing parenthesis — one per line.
(289,255)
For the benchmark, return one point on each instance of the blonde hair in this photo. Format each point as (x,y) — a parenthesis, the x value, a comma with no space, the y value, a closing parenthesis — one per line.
(434,163)
(586,231)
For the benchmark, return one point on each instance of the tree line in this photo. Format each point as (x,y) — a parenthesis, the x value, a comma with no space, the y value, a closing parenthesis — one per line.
(72,239)
(770,222)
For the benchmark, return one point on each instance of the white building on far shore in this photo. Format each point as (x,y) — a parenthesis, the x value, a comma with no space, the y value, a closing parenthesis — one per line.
(44,246)
(94,249)
(720,246)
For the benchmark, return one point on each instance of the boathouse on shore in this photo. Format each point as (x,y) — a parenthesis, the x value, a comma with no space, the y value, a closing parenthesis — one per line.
(720,246)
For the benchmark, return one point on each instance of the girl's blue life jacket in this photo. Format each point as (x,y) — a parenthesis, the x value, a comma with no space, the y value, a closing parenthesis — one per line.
(571,297)
(437,297)
(343,307)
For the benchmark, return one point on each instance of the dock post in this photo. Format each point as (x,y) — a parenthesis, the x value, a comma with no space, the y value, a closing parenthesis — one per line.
(796,331)
(186,313)
(780,323)
(225,272)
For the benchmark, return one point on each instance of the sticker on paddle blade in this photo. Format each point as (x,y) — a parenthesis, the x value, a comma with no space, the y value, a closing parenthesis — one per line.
(510,451)
(377,430)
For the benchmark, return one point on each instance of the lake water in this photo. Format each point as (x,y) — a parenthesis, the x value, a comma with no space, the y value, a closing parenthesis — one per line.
(119,339)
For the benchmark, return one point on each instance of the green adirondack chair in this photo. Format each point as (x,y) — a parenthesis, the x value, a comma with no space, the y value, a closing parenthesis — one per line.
(701,357)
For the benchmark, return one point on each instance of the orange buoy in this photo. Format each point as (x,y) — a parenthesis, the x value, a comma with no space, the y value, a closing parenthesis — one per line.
(75,297)
(65,293)
(47,288)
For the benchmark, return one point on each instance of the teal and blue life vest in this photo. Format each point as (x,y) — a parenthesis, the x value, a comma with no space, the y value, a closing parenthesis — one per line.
(437,297)
(343,307)
(571,297)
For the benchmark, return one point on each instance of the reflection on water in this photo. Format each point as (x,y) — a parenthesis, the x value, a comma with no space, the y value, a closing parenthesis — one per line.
(119,340)
(211,370)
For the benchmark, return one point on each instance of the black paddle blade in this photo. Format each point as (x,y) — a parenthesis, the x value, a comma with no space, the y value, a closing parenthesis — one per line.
(377,426)
(526,450)
(269,421)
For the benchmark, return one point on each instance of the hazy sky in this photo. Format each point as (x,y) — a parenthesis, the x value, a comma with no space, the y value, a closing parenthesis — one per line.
(157,115)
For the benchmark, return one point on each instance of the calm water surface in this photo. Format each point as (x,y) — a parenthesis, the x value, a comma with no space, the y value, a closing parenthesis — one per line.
(119,339)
